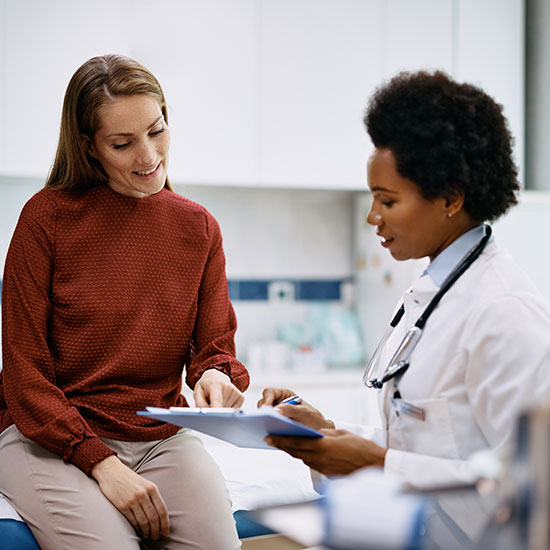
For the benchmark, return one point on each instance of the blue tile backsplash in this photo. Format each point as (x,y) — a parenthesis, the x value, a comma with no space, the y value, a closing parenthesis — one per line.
(257,290)
(305,290)
(318,290)
(249,290)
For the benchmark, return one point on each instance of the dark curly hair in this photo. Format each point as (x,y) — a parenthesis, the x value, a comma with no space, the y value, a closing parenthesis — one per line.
(446,137)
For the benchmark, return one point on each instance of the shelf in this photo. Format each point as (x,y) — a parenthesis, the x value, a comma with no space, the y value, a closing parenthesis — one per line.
(286,378)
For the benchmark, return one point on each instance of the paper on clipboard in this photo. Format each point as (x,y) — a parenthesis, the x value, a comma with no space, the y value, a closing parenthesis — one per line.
(243,429)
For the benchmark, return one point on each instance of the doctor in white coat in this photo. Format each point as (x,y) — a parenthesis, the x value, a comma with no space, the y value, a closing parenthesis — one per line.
(441,167)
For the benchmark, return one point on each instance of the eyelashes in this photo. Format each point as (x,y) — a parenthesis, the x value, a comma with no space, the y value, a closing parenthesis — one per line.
(120,146)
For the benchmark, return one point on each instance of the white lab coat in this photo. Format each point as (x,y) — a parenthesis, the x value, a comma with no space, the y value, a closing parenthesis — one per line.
(483,358)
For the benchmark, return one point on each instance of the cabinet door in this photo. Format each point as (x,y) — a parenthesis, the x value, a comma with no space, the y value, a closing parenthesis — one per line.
(202,52)
(417,35)
(491,54)
(45,42)
(318,62)
(205,60)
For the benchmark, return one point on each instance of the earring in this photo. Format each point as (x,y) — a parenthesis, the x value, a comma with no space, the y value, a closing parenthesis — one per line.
(449,214)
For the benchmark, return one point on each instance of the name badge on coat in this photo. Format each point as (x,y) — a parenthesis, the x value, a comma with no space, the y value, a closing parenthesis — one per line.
(402,407)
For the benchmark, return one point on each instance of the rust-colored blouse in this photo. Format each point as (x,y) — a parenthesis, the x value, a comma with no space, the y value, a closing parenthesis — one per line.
(105,299)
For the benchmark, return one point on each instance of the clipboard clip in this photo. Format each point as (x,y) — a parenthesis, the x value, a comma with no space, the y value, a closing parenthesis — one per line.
(207,410)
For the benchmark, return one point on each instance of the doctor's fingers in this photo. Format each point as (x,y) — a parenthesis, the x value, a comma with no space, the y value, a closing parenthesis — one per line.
(315,460)
(272,396)
(357,451)
(334,432)
(292,449)
(297,444)
(324,459)
(306,414)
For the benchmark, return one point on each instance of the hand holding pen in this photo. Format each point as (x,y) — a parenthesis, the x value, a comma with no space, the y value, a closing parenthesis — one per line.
(292,400)
(275,396)
(294,407)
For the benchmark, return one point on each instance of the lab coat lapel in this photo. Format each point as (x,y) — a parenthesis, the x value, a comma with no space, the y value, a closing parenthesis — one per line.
(415,301)
(417,298)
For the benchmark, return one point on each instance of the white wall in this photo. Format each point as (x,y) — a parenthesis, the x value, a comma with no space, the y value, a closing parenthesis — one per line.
(14,193)
(267,234)
(277,233)
(524,232)
(265,92)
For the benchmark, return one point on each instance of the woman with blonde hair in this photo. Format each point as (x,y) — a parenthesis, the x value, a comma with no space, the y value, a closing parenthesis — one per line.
(113,285)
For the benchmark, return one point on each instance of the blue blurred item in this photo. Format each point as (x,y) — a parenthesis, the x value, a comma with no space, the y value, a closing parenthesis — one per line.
(339,334)
(395,523)
(248,527)
(16,535)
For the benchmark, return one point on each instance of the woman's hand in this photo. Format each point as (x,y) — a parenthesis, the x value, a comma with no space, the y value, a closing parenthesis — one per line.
(303,413)
(339,452)
(137,498)
(215,389)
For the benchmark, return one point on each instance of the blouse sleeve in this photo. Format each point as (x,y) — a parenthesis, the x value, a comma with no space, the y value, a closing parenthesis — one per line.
(35,404)
(216,324)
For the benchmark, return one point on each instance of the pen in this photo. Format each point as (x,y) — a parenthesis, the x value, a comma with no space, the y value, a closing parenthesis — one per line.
(292,400)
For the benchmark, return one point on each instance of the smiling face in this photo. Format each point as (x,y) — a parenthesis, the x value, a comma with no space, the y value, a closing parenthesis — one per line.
(132,145)
(410,225)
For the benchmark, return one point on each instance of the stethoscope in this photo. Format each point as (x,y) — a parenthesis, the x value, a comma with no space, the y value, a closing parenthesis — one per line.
(399,363)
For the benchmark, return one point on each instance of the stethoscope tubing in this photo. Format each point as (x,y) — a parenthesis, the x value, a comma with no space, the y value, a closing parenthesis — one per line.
(399,363)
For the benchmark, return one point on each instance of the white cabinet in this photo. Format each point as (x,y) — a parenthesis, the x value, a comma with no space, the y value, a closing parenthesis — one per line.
(44,44)
(260,92)
(204,55)
(417,35)
(202,52)
(491,53)
(318,61)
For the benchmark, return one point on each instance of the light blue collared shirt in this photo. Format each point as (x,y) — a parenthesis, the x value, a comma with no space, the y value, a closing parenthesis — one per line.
(448,259)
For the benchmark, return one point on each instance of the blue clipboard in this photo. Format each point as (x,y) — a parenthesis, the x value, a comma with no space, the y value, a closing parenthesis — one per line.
(243,429)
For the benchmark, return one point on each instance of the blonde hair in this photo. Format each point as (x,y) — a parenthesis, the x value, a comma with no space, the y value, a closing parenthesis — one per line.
(98,80)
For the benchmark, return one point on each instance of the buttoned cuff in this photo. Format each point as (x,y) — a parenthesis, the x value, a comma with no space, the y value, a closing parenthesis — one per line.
(88,453)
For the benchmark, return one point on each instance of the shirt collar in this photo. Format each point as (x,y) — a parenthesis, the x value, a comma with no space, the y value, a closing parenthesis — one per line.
(445,261)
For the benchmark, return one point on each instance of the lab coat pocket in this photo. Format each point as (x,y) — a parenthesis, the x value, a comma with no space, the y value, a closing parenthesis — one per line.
(434,435)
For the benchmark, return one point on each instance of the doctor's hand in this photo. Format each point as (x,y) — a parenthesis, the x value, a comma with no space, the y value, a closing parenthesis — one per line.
(135,497)
(215,389)
(339,452)
(273,396)
(303,413)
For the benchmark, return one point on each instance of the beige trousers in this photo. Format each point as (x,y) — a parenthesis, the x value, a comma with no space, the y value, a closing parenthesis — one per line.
(66,510)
